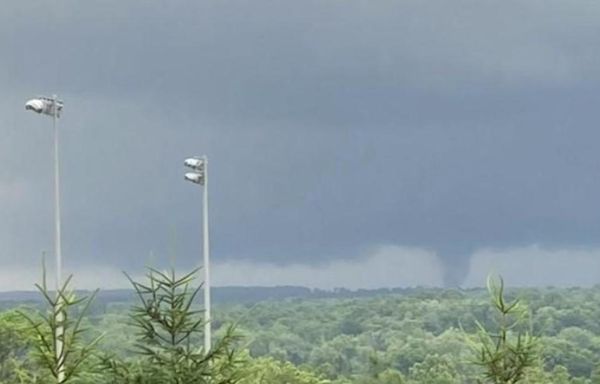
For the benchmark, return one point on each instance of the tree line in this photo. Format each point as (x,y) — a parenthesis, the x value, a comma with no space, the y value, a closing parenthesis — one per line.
(498,335)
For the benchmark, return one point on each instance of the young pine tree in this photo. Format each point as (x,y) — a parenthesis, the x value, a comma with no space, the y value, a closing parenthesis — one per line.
(507,352)
(58,336)
(167,328)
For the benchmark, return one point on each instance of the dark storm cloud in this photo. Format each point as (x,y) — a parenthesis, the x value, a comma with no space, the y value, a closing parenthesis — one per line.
(331,127)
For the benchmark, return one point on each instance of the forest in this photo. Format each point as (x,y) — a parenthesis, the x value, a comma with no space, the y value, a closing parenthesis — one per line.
(421,335)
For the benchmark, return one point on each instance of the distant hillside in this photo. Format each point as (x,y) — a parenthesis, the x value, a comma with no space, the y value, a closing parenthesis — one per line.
(220,295)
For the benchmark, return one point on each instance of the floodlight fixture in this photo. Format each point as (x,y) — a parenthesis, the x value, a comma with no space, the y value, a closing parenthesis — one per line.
(194,163)
(45,105)
(194,177)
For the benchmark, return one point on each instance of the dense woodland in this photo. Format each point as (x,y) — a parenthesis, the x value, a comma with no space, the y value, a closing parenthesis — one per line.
(541,335)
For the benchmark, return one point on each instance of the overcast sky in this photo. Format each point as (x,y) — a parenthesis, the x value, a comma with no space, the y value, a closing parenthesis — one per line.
(353,143)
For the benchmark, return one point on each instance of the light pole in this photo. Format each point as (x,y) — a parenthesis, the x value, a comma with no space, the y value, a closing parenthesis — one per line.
(51,106)
(199,176)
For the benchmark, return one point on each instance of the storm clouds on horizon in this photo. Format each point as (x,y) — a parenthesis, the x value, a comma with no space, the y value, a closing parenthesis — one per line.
(453,132)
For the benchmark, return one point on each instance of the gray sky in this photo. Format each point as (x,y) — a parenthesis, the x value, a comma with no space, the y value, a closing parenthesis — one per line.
(436,136)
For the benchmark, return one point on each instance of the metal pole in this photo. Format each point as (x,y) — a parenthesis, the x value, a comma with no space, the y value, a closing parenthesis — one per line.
(58,248)
(207,318)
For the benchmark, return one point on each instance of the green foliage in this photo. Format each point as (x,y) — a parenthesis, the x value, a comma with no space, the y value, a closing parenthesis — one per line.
(58,333)
(405,337)
(166,323)
(15,341)
(271,371)
(435,369)
(506,353)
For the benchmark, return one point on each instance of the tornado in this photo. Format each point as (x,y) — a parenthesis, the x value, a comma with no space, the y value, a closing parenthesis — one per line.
(455,261)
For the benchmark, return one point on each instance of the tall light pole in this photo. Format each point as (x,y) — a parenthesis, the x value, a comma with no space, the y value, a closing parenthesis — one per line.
(199,176)
(51,106)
